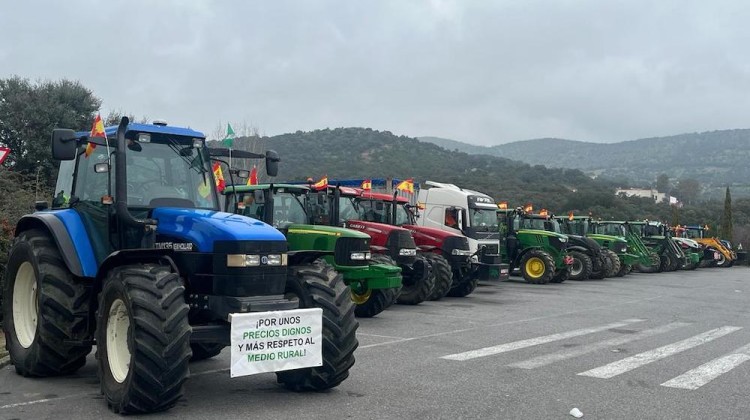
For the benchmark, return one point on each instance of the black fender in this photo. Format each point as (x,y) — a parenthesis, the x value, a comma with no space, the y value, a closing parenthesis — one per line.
(135,256)
(306,256)
(579,249)
(55,227)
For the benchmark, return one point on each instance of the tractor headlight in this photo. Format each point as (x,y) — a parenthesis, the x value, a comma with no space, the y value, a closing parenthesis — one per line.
(462,252)
(563,239)
(254,260)
(276,259)
(360,256)
(407,252)
(623,248)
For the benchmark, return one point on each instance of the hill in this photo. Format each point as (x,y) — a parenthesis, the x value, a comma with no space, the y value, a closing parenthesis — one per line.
(716,158)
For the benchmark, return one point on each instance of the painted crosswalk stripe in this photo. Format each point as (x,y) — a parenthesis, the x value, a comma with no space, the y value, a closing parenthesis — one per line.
(629,363)
(502,348)
(705,373)
(547,359)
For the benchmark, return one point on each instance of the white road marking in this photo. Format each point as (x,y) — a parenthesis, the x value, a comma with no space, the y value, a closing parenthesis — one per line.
(625,365)
(5,407)
(502,348)
(705,373)
(557,356)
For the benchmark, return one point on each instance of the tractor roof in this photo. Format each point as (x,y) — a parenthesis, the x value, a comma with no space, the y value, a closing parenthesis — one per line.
(245,188)
(111,131)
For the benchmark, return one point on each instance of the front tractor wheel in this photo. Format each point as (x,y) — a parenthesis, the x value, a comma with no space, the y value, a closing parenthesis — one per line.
(417,283)
(370,302)
(537,267)
(44,308)
(318,285)
(442,274)
(582,266)
(143,339)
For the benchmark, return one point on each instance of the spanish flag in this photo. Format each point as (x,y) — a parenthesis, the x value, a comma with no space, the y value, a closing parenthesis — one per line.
(253,179)
(367,184)
(322,184)
(406,185)
(219,177)
(503,205)
(97,130)
(543,212)
(528,208)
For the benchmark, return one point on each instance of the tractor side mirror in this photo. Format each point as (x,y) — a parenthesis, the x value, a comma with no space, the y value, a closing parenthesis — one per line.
(272,163)
(64,144)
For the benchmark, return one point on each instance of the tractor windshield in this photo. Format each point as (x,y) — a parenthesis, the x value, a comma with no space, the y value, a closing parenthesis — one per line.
(483,219)
(532,223)
(694,233)
(610,229)
(165,170)
(373,211)
(287,210)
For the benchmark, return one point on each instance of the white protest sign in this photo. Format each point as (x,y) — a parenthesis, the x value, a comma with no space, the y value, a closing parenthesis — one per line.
(276,341)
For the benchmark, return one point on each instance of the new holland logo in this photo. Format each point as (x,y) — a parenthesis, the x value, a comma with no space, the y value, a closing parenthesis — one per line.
(264,260)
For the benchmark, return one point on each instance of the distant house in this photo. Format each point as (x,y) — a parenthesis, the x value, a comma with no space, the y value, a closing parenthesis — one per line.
(657,196)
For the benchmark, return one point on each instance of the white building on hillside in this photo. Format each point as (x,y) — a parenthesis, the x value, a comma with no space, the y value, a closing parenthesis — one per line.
(657,196)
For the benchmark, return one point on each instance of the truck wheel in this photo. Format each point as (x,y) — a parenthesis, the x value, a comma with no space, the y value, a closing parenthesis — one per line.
(143,338)
(416,285)
(537,267)
(561,275)
(614,262)
(202,351)
(320,286)
(582,268)
(464,283)
(44,309)
(442,274)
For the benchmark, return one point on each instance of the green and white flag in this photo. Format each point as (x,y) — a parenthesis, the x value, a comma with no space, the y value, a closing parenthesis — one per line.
(229,138)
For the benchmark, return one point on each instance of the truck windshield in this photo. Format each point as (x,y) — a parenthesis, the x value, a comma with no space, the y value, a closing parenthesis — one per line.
(483,219)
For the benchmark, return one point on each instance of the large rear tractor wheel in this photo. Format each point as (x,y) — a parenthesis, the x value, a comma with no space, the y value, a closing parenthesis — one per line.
(417,283)
(582,267)
(318,285)
(614,262)
(442,274)
(464,282)
(143,338)
(537,267)
(44,308)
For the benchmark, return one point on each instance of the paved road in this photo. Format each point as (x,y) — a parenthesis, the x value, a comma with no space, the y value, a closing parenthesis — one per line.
(670,345)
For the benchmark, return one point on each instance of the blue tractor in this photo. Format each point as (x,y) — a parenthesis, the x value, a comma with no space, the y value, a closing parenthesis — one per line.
(135,257)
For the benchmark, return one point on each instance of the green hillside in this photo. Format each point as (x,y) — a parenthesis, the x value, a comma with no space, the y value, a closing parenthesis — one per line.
(716,158)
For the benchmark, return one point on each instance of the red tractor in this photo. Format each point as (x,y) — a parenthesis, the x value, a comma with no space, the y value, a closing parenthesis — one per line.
(339,206)
(448,252)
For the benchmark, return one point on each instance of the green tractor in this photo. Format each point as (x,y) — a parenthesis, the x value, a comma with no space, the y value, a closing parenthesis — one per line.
(612,245)
(540,255)
(596,256)
(658,237)
(638,256)
(374,287)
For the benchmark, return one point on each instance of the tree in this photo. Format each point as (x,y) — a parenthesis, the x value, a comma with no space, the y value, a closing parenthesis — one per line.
(28,113)
(725,232)
(662,183)
(688,190)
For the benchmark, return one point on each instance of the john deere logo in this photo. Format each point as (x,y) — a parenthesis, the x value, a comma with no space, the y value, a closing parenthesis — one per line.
(264,260)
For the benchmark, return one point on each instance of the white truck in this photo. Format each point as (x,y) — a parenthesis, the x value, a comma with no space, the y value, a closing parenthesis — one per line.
(465,212)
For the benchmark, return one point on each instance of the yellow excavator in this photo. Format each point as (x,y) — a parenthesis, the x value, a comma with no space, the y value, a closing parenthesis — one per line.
(718,252)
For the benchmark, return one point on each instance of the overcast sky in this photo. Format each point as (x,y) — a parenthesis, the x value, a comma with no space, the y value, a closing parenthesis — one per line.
(483,72)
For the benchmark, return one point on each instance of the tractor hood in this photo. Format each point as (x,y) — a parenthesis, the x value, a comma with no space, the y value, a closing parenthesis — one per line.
(428,236)
(543,233)
(601,237)
(371,228)
(326,230)
(687,242)
(204,227)
(584,242)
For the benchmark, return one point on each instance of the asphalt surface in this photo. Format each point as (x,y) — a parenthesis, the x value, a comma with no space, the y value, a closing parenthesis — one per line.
(668,345)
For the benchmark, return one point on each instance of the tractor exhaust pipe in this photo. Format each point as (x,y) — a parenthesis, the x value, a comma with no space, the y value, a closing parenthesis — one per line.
(121,180)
